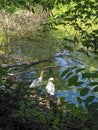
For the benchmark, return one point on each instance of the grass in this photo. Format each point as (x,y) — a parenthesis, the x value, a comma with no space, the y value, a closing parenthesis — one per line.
(21,21)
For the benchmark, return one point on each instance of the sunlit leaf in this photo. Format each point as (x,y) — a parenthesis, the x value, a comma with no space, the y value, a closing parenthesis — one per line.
(92,68)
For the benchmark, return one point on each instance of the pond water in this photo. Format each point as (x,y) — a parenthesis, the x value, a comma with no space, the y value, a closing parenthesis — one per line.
(72,92)
(42,46)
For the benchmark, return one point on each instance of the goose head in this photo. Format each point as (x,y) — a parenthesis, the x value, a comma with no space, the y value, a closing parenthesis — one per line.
(51,79)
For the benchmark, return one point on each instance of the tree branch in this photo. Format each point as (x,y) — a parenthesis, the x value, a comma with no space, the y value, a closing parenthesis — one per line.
(27,64)
(43,68)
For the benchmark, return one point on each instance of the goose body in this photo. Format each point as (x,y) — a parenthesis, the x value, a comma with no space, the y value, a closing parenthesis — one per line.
(50,87)
(37,81)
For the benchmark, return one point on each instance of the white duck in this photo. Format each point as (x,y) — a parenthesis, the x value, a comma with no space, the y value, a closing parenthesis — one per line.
(37,81)
(50,87)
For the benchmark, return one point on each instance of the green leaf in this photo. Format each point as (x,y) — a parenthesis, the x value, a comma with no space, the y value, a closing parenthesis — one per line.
(90,75)
(62,100)
(95,117)
(80,69)
(89,99)
(65,72)
(87,75)
(85,129)
(73,81)
(54,128)
(95,89)
(56,121)
(70,73)
(79,100)
(78,83)
(84,91)
(93,83)
(93,108)
(70,106)
(2,71)
(75,111)
(95,75)
(22,104)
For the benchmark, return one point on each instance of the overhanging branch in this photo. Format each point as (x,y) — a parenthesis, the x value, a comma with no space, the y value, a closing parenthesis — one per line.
(29,64)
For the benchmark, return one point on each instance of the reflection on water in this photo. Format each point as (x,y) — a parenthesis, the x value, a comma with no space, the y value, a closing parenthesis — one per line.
(70,96)
(36,47)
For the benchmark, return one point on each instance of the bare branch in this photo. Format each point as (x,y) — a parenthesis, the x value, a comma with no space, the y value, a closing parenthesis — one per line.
(43,68)
(27,64)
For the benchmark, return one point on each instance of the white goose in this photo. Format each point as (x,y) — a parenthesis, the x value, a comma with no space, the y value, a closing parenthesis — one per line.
(37,81)
(50,87)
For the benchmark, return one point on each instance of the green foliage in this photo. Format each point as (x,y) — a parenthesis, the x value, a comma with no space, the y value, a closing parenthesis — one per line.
(93,111)
(84,88)
(89,99)
(2,72)
(84,91)
(73,81)
(95,89)
(90,75)
(21,108)
(65,72)
(79,100)
(81,17)
(18,109)
(13,5)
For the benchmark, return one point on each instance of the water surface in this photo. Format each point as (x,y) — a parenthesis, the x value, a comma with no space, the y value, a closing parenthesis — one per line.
(40,46)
